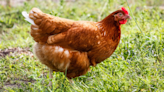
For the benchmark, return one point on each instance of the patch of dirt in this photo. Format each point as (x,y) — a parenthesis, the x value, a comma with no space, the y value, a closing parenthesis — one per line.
(9,85)
(17,83)
(14,51)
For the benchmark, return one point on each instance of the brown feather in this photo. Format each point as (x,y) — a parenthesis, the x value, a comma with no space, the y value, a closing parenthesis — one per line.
(64,44)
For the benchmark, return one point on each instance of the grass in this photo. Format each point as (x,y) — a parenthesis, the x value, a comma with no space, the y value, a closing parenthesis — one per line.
(136,65)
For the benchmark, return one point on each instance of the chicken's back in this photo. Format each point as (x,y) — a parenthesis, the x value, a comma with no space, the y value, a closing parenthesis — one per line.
(44,25)
(60,59)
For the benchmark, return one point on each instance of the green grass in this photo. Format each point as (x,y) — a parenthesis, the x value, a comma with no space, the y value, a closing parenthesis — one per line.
(136,65)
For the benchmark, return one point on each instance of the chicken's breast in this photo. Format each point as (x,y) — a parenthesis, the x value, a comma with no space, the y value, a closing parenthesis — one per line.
(60,59)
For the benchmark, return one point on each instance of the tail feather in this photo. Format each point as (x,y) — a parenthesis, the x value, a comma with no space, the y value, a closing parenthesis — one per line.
(26,15)
(32,15)
(36,32)
(44,25)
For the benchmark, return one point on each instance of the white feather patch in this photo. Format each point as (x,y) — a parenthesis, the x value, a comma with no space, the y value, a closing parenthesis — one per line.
(34,28)
(60,49)
(26,15)
(66,53)
(31,12)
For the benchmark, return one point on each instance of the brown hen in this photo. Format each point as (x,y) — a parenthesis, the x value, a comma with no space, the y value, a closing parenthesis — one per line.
(73,46)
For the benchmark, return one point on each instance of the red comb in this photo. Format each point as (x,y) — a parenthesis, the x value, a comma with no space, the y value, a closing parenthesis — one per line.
(124,10)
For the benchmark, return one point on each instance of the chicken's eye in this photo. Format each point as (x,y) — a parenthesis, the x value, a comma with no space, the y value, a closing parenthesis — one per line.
(120,14)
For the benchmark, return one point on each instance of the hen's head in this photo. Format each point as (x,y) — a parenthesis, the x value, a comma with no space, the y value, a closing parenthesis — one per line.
(121,16)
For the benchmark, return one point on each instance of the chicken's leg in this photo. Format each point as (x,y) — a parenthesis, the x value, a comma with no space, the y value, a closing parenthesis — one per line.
(50,76)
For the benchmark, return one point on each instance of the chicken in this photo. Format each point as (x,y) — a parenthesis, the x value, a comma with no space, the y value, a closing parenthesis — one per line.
(73,46)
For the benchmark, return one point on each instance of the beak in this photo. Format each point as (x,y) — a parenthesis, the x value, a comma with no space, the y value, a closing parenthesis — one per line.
(127,17)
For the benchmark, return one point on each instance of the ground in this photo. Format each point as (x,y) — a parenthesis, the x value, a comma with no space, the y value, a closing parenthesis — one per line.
(136,65)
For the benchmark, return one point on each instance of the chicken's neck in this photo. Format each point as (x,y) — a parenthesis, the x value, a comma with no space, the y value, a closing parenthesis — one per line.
(109,28)
(110,33)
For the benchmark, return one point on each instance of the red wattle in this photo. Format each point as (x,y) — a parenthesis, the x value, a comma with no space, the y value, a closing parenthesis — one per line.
(122,21)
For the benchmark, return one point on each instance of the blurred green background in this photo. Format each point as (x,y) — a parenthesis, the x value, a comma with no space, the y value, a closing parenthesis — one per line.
(136,65)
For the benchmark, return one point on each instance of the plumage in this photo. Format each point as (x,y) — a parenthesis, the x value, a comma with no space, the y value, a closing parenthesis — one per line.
(73,46)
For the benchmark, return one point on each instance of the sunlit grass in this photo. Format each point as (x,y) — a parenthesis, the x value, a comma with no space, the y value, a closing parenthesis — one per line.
(136,65)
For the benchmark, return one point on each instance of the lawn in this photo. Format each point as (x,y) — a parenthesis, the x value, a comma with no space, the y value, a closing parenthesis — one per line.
(137,64)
